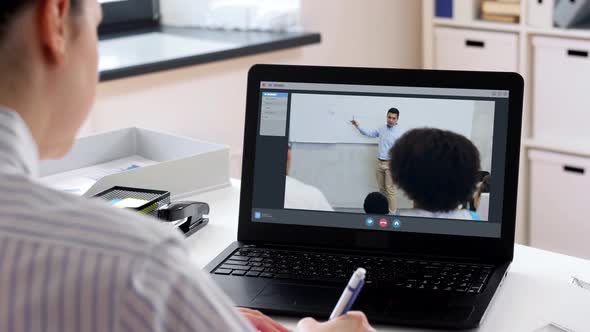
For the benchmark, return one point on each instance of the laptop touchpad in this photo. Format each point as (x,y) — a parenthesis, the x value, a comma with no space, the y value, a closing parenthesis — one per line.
(293,297)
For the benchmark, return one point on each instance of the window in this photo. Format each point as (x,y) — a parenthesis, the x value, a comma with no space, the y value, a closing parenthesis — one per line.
(264,15)
(125,15)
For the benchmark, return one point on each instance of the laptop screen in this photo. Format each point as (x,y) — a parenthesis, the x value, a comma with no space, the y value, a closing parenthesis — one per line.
(381,158)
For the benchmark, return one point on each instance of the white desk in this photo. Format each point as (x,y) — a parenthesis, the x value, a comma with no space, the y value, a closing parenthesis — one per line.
(536,290)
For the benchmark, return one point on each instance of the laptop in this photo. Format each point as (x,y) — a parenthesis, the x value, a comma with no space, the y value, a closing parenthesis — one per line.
(307,171)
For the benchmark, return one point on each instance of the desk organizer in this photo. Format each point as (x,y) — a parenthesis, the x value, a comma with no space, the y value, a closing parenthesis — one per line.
(154,198)
(183,166)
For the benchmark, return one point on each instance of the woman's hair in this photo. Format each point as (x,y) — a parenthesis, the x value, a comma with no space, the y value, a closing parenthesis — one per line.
(10,8)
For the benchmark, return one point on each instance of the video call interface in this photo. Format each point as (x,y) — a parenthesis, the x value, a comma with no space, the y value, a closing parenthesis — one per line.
(381,158)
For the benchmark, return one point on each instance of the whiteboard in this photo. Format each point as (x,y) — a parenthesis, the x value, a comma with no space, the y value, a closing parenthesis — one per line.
(318,118)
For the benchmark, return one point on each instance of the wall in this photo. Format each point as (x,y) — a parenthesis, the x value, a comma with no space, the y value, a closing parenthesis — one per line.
(344,173)
(482,133)
(207,101)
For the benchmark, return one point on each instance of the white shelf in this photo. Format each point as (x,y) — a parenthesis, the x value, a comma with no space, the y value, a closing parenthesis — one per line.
(512,27)
(564,33)
(480,25)
(525,68)
(574,148)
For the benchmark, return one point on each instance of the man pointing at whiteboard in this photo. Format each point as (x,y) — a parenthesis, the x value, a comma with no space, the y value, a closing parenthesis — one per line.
(387,135)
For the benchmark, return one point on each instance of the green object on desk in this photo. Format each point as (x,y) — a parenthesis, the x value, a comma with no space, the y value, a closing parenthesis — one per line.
(149,209)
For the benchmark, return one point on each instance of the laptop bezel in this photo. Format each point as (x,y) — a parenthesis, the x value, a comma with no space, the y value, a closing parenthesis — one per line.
(469,247)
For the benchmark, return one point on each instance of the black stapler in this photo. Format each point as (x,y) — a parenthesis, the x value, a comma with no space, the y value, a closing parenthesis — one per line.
(189,217)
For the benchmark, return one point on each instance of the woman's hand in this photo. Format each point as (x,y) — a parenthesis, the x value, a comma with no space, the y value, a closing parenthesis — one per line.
(261,322)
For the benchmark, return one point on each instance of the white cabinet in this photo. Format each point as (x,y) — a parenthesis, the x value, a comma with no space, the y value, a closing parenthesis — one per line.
(555,64)
(560,203)
(540,13)
(561,89)
(465,49)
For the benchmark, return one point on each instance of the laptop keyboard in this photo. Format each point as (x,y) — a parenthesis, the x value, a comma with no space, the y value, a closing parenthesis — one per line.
(381,271)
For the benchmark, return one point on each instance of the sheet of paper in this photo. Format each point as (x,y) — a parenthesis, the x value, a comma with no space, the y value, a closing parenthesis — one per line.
(79,181)
(552,327)
(131,203)
(580,282)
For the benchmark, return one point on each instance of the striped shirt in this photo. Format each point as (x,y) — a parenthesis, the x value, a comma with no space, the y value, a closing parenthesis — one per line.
(70,264)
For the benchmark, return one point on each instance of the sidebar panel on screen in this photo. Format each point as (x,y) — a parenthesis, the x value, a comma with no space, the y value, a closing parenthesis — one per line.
(270,168)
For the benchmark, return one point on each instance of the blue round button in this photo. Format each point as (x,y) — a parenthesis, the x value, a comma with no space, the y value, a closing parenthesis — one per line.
(370,222)
(397,223)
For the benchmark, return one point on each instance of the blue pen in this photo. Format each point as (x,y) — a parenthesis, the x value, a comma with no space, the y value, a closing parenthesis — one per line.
(350,293)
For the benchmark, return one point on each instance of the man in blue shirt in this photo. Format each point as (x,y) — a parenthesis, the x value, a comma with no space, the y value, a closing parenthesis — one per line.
(387,135)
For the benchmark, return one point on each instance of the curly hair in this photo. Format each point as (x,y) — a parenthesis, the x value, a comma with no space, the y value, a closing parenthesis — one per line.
(436,168)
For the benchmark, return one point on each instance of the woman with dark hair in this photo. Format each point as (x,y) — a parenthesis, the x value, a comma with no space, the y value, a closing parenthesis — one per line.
(437,169)
(69,264)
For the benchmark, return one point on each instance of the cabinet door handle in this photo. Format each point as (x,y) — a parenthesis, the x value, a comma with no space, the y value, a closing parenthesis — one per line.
(577,53)
(474,43)
(573,169)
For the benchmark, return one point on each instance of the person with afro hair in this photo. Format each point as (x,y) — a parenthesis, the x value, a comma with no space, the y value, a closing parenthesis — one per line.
(437,169)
